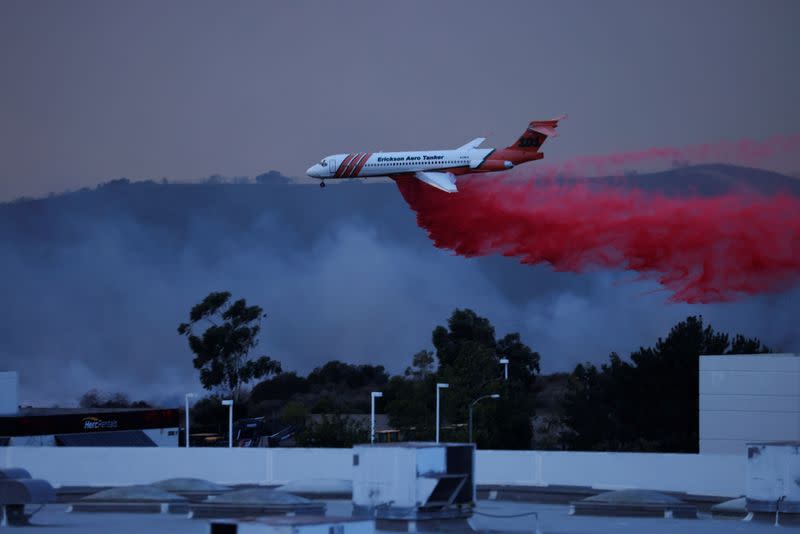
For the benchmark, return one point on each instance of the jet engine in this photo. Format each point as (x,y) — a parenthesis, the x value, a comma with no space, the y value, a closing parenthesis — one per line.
(496,165)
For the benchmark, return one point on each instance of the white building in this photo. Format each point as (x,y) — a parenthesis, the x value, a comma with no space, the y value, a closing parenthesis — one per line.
(748,398)
(8,392)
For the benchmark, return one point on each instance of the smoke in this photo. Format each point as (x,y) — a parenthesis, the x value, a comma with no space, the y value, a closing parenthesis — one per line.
(699,249)
(97,282)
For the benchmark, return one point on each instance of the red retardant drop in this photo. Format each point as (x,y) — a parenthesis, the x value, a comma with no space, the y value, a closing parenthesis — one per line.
(701,249)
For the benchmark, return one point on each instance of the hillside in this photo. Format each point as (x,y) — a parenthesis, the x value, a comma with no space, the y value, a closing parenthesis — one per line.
(343,272)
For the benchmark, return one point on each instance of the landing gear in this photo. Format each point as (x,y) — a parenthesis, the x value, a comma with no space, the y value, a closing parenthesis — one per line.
(322,183)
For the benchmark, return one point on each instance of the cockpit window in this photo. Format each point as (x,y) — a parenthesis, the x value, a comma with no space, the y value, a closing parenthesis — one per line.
(323,163)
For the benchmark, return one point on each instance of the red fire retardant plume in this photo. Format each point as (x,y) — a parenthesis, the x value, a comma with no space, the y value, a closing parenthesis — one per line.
(700,249)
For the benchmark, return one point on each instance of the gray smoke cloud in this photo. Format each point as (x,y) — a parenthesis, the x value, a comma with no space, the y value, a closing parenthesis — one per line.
(96,282)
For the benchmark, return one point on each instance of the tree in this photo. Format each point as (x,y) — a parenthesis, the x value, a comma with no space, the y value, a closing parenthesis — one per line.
(421,365)
(294,412)
(747,345)
(333,431)
(598,407)
(468,359)
(409,403)
(650,403)
(336,373)
(464,326)
(209,415)
(409,399)
(222,351)
(97,399)
(279,387)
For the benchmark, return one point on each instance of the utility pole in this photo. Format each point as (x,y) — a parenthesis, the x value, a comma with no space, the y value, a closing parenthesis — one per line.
(438,387)
(374,395)
(472,405)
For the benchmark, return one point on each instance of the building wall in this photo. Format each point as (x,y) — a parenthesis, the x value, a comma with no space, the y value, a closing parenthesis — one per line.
(32,441)
(9,402)
(748,398)
(163,437)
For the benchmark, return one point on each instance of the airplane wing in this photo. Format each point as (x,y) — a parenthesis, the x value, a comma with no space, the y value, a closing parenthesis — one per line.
(475,143)
(443,181)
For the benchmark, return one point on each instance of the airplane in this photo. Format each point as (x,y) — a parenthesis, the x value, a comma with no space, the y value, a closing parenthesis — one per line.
(438,168)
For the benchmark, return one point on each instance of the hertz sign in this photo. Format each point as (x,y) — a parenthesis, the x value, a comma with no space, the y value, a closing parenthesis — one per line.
(94,423)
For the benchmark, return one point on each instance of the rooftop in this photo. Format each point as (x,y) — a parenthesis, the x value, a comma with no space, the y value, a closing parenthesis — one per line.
(520,518)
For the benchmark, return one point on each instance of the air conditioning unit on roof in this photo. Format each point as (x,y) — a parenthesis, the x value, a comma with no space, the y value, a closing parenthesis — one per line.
(414,481)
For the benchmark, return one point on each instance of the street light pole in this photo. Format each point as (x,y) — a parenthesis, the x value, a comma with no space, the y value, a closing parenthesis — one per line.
(374,395)
(229,404)
(504,361)
(472,404)
(438,387)
(187,396)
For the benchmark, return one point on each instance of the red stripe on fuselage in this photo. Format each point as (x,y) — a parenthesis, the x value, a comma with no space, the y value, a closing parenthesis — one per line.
(362,163)
(344,164)
(346,173)
(355,163)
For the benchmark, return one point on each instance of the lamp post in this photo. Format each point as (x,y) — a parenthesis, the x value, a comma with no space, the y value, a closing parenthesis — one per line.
(504,361)
(187,396)
(374,395)
(229,404)
(473,403)
(439,386)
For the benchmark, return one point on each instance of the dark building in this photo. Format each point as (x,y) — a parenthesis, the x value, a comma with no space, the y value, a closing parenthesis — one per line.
(79,427)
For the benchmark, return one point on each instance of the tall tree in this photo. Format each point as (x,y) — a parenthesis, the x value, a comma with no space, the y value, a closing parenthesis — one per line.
(651,403)
(222,350)
(409,399)
(468,356)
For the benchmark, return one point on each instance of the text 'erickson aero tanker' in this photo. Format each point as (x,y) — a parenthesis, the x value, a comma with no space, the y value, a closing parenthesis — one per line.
(438,168)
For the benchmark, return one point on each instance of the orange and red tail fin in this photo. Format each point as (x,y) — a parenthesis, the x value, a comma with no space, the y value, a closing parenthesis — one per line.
(536,133)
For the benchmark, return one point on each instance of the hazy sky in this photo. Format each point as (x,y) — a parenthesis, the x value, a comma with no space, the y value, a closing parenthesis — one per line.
(94,90)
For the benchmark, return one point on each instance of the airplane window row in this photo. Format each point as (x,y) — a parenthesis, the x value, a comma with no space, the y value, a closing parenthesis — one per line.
(405,163)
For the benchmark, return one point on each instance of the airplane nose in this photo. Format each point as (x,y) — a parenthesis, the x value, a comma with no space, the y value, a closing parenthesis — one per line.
(312,171)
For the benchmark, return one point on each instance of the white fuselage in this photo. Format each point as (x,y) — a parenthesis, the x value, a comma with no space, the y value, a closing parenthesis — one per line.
(365,164)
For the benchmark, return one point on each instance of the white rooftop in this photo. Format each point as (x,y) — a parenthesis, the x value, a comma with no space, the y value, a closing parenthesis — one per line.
(552,518)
